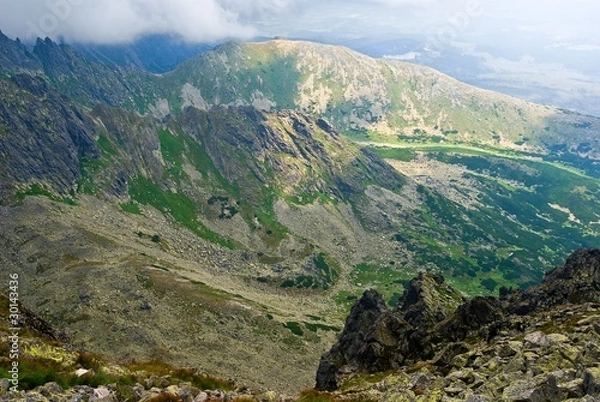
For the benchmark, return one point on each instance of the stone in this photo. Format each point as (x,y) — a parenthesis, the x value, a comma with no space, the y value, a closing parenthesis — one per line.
(536,390)
(101,394)
(138,391)
(591,381)
(269,396)
(573,389)
(4,386)
(557,338)
(477,398)
(51,389)
(536,339)
(201,397)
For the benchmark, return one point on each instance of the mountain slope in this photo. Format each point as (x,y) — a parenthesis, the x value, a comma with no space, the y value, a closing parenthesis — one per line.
(536,344)
(188,230)
(384,97)
(64,134)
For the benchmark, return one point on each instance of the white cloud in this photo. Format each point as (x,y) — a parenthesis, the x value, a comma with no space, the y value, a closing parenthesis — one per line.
(580,47)
(115,21)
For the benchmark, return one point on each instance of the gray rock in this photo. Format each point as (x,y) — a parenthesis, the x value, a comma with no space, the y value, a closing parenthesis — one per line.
(201,397)
(591,381)
(536,390)
(573,389)
(51,389)
(4,386)
(477,398)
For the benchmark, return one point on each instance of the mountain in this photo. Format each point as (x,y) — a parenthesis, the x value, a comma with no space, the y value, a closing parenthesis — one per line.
(376,97)
(531,345)
(245,200)
(154,53)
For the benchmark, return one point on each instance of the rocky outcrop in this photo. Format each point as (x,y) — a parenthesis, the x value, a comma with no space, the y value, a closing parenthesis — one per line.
(538,344)
(43,136)
(428,300)
(288,150)
(15,57)
(578,281)
(376,338)
(369,342)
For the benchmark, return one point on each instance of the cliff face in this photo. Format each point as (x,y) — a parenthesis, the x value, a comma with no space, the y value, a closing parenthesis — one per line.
(539,344)
(43,136)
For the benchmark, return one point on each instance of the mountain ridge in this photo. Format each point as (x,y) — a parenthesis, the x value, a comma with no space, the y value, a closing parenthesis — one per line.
(378,97)
(152,211)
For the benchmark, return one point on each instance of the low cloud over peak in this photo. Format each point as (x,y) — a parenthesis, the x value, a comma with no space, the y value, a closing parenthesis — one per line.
(122,21)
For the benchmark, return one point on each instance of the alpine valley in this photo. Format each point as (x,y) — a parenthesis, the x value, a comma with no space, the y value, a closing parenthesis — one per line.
(227,215)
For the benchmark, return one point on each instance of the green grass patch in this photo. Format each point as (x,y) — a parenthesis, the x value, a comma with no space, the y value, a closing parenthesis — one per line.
(90,169)
(294,327)
(328,269)
(346,299)
(37,190)
(106,146)
(131,207)
(314,327)
(399,154)
(388,280)
(177,205)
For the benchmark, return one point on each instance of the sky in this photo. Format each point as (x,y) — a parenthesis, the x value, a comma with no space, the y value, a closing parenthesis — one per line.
(547,51)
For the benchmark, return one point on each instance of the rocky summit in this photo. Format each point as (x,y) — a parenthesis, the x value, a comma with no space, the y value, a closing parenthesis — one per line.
(538,344)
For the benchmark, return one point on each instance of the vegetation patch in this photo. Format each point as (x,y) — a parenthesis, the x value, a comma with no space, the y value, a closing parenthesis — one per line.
(312,395)
(388,280)
(314,327)
(294,327)
(177,205)
(399,154)
(37,190)
(328,270)
(131,207)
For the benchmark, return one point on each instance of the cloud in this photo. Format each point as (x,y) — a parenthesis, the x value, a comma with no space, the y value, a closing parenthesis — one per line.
(118,21)
(578,47)
(538,81)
